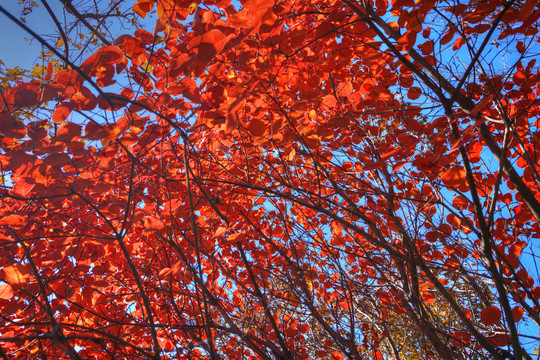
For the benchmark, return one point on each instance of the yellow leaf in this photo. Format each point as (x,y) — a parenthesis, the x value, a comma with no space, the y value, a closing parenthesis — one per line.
(192,7)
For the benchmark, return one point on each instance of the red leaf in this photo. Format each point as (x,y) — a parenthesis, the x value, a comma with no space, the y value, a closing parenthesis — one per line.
(407,41)
(83,99)
(17,275)
(152,223)
(303,328)
(526,10)
(373,166)
(67,131)
(428,297)
(220,231)
(24,186)
(524,277)
(254,14)
(26,94)
(490,315)
(457,9)
(257,127)
(61,113)
(461,338)
(341,121)
(391,153)
(112,101)
(94,131)
(527,22)
(210,45)
(516,249)
(104,56)
(482,104)
(517,313)
(499,339)
(414,93)
(164,272)
(427,47)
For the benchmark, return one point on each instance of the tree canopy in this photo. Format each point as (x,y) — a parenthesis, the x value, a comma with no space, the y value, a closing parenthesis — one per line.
(273,179)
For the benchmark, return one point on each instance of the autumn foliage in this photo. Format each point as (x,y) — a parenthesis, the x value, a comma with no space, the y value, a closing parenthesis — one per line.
(276,179)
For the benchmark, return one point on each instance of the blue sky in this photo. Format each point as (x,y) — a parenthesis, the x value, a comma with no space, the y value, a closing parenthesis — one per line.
(16,51)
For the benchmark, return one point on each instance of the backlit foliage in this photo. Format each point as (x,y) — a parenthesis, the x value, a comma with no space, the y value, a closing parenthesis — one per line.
(331,179)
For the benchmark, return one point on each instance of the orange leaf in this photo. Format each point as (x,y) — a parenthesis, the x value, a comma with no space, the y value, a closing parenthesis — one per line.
(254,14)
(220,231)
(6,291)
(454,177)
(13,220)
(329,101)
(61,113)
(391,153)
(459,42)
(490,315)
(428,297)
(345,89)
(17,274)
(236,238)
(106,55)
(142,7)
(49,73)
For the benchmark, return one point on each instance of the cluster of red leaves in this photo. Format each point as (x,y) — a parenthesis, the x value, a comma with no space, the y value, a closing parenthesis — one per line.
(291,179)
